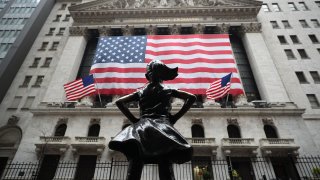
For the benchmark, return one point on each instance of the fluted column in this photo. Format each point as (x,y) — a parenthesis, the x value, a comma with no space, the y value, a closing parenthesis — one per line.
(151,30)
(68,65)
(198,29)
(223,28)
(265,72)
(174,29)
(127,30)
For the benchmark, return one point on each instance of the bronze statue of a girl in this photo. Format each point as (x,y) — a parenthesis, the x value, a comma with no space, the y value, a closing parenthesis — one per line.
(152,137)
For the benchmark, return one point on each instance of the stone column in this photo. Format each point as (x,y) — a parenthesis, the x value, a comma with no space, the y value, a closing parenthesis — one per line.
(104,31)
(127,30)
(174,29)
(223,28)
(198,29)
(68,65)
(151,30)
(264,70)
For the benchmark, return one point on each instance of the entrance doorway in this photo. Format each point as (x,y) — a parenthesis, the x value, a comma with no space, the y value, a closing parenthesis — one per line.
(284,168)
(86,167)
(242,166)
(48,167)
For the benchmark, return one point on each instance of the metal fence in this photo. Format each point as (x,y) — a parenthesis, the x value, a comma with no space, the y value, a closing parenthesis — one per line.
(259,168)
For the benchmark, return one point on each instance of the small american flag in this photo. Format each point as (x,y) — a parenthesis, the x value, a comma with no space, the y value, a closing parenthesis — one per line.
(219,88)
(80,88)
(119,65)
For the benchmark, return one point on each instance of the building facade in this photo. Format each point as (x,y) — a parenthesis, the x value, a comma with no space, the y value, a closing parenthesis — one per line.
(278,120)
(20,22)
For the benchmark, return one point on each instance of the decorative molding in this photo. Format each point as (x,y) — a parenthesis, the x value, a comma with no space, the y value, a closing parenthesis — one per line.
(223,28)
(13,120)
(104,31)
(268,121)
(233,121)
(250,28)
(198,29)
(79,31)
(197,121)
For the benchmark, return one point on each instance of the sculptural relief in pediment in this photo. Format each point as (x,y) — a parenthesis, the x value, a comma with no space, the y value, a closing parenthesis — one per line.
(137,4)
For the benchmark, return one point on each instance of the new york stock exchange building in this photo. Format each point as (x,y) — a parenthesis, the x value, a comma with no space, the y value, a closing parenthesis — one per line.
(269,132)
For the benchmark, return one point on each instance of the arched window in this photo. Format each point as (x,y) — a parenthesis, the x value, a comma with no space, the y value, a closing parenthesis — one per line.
(94,130)
(60,130)
(270,131)
(197,131)
(233,131)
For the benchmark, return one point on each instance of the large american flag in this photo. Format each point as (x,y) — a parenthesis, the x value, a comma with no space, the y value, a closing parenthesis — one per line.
(119,64)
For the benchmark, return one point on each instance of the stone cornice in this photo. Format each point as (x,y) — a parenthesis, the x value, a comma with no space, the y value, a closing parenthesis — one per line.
(250,28)
(98,16)
(196,112)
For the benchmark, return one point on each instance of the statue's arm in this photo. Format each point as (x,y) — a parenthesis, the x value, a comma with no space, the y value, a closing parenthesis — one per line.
(121,105)
(188,98)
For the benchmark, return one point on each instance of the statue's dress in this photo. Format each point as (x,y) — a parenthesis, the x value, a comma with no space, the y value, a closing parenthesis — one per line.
(153,138)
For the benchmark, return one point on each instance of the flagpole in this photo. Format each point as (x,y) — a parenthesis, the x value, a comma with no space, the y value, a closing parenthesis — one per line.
(229,90)
(96,85)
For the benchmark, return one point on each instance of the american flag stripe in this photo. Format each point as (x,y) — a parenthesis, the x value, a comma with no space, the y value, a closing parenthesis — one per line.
(201,59)
(79,88)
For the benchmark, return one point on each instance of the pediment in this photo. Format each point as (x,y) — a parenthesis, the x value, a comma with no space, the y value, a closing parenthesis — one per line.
(100,5)
(109,10)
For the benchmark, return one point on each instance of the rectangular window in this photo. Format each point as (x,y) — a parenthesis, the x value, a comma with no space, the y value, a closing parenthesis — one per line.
(313,38)
(15,103)
(315,23)
(28,102)
(313,101)
(295,39)
(54,46)
(289,54)
(61,31)
(292,6)
(35,62)
(67,18)
(58,17)
(318,50)
(303,6)
(315,76)
(44,46)
(304,23)
(275,7)
(274,24)
(265,8)
(26,81)
(38,81)
(303,54)
(286,24)
(318,3)
(51,31)
(282,40)
(47,62)
(302,79)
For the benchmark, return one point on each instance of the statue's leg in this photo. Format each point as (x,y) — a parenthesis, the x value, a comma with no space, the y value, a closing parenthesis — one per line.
(166,171)
(134,169)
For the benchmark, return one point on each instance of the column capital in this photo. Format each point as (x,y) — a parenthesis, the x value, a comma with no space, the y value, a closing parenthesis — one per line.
(250,28)
(223,28)
(79,31)
(174,29)
(151,30)
(127,30)
(198,29)
(104,31)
